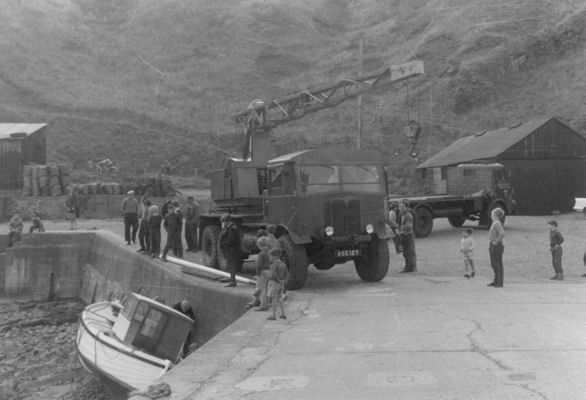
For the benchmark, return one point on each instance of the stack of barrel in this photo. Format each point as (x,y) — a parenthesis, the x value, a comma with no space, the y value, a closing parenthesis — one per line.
(45,180)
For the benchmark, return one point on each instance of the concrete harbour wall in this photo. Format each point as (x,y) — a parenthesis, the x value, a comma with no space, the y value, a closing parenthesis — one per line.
(92,265)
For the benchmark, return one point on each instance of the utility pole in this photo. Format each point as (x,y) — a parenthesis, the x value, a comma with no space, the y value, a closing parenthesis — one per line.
(360,97)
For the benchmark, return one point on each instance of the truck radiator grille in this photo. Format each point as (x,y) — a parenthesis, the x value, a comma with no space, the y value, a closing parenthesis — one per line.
(343,216)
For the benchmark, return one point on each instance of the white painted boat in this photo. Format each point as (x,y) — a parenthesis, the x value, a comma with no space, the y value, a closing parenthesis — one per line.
(130,346)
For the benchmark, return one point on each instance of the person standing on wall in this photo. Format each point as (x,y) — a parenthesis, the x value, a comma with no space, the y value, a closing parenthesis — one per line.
(15,226)
(173,224)
(72,204)
(144,238)
(154,222)
(496,234)
(407,237)
(230,246)
(191,224)
(129,209)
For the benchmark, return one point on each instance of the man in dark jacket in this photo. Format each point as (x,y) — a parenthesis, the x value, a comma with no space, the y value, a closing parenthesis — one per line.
(173,225)
(185,308)
(407,237)
(191,223)
(230,246)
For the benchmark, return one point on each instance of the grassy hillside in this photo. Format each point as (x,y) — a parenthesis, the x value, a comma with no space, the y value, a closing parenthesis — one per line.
(144,81)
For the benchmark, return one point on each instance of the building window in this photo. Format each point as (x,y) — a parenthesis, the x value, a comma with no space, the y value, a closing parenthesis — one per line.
(469,172)
(444,173)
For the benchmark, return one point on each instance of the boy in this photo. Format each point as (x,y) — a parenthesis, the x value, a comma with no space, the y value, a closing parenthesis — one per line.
(278,277)
(555,246)
(263,269)
(154,223)
(37,225)
(467,248)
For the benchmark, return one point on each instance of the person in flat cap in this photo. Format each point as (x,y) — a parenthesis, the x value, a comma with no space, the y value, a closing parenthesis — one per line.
(173,224)
(191,224)
(129,209)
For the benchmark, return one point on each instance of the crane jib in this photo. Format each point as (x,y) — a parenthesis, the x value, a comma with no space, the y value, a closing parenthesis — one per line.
(294,106)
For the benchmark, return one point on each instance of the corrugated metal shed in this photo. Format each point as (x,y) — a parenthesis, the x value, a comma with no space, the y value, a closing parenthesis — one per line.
(20,144)
(483,145)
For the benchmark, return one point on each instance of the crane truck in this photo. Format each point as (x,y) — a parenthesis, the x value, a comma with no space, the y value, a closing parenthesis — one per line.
(329,206)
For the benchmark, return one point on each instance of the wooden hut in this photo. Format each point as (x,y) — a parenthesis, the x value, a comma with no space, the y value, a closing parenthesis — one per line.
(546,160)
(20,144)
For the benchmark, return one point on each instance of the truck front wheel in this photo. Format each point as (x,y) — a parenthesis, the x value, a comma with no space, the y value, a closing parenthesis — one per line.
(210,246)
(295,257)
(373,266)
(423,223)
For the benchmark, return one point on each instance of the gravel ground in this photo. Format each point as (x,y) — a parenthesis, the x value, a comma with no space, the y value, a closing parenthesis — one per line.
(37,341)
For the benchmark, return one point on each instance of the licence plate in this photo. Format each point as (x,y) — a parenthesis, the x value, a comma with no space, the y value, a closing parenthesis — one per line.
(348,253)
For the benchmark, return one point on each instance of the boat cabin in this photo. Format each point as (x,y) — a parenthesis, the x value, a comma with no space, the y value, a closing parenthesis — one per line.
(152,327)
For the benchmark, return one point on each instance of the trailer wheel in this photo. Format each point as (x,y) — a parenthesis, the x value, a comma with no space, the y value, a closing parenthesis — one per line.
(210,246)
(423,223)
(373,266)
(456,221)
(295,257)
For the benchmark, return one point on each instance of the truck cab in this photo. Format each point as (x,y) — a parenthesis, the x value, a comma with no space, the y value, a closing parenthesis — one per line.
(328,205)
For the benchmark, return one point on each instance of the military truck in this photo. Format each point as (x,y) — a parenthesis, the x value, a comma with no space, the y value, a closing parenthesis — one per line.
(329,206)
(473,191)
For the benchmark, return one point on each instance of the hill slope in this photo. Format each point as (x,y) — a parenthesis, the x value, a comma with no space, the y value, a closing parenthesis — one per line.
(143,81)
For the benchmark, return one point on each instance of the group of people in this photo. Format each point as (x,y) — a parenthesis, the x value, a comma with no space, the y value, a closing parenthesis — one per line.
(271,272)
(16,226)
(401,223)
(148,225)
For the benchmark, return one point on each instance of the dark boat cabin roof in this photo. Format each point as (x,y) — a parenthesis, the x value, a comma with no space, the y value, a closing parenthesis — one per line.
(153,327)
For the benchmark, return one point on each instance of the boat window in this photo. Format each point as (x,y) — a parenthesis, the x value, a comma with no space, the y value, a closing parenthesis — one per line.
(141,311)
(149,327)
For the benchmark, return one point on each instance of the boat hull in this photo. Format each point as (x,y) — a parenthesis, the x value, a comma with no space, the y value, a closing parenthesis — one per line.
(119,366)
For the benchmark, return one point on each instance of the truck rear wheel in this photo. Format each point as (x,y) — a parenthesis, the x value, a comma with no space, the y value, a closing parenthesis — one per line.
(423,223)
(295,257)
(373,266)
(456,221)
(210,246)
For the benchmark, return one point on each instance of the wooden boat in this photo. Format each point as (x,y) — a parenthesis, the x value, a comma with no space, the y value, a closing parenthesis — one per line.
(130,346)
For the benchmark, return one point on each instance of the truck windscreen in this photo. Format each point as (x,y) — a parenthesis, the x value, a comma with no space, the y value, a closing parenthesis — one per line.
(319,178)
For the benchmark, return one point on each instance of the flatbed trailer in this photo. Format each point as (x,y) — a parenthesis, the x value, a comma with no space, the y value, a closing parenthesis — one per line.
(457,208)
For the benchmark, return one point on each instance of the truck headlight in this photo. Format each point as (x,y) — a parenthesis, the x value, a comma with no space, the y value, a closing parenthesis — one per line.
(369,229)
(329,230)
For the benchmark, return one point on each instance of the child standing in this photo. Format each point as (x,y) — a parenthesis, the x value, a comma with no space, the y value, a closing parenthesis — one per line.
(263,271)
(467,248)
(279,275)
(555,246)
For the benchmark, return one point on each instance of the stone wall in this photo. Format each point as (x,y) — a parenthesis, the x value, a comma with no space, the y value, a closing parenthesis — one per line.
(92,265)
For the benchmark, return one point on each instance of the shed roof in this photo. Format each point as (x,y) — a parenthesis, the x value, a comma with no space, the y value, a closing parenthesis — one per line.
(8,129)
(483,145)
